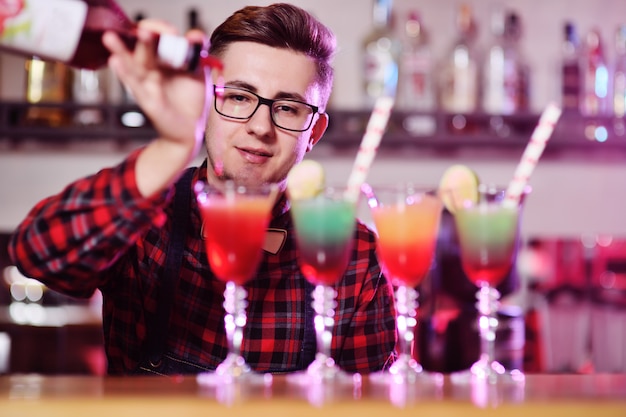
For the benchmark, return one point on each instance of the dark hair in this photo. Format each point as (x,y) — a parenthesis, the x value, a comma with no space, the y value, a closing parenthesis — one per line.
(281,25)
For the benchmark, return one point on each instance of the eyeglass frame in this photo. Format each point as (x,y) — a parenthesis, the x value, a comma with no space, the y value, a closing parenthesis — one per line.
(268,102)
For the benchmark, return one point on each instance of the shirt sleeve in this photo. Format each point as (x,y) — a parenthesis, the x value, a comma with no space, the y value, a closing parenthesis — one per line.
(368,319)
(68,240)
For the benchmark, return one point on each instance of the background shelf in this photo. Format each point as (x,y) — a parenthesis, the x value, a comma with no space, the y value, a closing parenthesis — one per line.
(440,132)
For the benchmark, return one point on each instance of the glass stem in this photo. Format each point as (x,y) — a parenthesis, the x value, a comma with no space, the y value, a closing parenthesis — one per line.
(235,319)
(488,301)
(324,304)
(406,305)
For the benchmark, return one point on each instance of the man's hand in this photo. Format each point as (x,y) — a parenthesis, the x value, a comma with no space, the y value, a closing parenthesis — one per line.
(172,100)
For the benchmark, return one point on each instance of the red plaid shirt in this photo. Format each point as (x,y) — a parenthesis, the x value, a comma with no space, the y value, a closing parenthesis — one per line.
(100,233)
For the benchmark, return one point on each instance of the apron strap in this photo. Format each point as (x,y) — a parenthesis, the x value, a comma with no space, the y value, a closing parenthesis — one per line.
(157,325)
(309,343)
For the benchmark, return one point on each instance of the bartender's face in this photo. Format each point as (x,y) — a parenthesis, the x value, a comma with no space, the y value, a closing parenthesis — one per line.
(256,150)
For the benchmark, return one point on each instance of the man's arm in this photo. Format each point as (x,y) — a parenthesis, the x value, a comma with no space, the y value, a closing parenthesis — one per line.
(69,239)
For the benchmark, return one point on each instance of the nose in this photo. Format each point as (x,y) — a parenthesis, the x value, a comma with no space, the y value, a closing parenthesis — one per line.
(261,121)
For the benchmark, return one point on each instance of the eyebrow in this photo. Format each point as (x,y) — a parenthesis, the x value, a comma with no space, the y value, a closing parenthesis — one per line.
(281,94)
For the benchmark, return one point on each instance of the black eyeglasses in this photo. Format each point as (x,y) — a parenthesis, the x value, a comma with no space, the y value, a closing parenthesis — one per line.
(239,104)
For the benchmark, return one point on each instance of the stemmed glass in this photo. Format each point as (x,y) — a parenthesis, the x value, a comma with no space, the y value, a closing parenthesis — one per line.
(407,222)
(227,209)
(324,228)
(488,230)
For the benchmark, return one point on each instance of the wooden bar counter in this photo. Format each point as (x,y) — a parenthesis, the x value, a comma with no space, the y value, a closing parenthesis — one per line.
(87,396)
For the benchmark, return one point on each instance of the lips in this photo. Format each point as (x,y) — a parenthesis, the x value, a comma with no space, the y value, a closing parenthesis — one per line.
(255,156)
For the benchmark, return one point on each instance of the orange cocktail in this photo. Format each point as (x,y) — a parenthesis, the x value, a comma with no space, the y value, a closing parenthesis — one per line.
(407,222)
(407,236)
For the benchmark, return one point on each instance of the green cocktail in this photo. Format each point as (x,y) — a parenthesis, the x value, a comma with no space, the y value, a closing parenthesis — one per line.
(324,232)
(324,226)
(488,235)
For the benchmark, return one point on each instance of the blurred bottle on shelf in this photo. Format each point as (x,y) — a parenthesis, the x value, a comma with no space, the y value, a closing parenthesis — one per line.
(89,88)
(132,117)
(567,311)
(571,79)
(381,51)
(48,84)
(505,72)
(194,21)
(619,76)
(595,81)
(416,89)
(459,75)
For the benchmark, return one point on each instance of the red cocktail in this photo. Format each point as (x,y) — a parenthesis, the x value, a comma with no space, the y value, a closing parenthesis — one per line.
(235,219)
(234,232)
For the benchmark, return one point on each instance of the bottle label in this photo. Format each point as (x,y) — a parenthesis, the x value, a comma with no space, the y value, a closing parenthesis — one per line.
(416,90)
(46,28)
(173,51)
(380,72)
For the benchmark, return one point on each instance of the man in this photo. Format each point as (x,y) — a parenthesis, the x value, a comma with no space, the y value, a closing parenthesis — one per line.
(113,231)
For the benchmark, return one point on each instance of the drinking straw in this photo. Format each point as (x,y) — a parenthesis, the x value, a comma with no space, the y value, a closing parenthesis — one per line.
(369,145)
(532,153)
(374,131)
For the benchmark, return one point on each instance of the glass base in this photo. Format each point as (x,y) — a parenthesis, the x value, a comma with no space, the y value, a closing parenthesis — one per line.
(493,372)
(406,371)
(489,389)
(426,387)
(233,369)
(323,370)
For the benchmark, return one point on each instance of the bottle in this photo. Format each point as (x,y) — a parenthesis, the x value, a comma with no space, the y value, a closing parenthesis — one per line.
(416,90)
(619,74)
(595,87)
(194,21)
(381,50)
(89,87)
(70,31)
(132,116)
(459,74)
(505,72)
(48,86)
(570,68)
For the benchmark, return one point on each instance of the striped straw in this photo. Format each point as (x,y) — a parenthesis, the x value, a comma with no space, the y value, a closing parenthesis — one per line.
(369,145)
(532,153)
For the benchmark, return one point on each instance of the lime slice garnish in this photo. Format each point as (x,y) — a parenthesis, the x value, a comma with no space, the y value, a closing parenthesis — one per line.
(305,180)
(458,184)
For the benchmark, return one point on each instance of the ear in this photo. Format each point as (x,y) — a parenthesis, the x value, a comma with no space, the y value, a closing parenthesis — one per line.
(318,129)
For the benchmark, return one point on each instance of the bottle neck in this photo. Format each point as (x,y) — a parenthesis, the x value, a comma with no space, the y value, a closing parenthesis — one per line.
(414,30)
(382,14)
(620,41)
(177,53)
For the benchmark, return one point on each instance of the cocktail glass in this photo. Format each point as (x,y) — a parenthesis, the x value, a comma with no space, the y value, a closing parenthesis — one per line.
(488,232)
(235,219)
(324,228)
(407,222)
